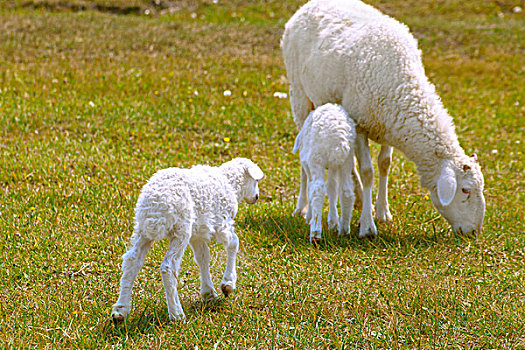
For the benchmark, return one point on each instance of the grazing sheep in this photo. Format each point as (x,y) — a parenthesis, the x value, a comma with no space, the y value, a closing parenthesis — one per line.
(347,52)
(188,206)
(326,142)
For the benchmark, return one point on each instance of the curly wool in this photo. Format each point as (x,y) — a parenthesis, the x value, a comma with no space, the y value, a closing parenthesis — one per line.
(326,137)
(204,198)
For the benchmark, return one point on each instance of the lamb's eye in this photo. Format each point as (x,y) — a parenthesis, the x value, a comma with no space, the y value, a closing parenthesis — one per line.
(465,191)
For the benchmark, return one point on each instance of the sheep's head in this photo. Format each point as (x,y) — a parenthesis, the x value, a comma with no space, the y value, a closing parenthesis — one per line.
(246,174)
(458,194)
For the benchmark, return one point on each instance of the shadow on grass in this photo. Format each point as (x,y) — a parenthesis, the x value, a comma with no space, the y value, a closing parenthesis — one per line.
(272,229)
(150,318)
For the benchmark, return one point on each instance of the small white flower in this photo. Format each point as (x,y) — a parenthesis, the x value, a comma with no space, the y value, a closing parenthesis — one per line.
(494,151)
(227,93)
(516,9)
(193,15)
(280,95)
(196,93)
(91,103)
(215,1)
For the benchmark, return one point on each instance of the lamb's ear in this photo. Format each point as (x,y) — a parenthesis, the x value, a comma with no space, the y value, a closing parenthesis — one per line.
(446,185)
(255,172)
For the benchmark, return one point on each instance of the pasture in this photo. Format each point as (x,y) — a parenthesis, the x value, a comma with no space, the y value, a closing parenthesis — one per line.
(97,95)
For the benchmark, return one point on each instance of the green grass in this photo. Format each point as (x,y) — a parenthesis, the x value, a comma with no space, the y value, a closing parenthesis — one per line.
(93,102)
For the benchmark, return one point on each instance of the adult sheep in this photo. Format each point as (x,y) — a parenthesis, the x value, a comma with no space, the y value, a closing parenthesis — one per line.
(349,53)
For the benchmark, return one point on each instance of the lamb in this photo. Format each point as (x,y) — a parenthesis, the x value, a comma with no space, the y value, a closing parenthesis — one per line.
(326,141)
(347,52)
(188,206)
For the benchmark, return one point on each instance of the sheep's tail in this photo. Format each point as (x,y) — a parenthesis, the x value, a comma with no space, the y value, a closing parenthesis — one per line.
(297,143)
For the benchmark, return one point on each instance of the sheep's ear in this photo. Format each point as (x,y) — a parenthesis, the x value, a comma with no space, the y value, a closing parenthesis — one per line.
(446,185)
(255,172)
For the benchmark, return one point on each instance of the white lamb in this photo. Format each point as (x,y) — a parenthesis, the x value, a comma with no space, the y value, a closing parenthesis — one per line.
(347,52)
(326,142)
(188,206)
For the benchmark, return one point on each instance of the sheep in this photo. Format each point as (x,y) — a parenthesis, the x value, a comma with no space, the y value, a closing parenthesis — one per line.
(347,52)
(326,141)
(188,206)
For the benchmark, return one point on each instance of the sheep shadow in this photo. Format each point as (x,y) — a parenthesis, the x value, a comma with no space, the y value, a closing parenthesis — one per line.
(274,229)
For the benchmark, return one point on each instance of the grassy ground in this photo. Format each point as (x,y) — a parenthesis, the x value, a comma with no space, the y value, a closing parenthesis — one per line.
(95,96)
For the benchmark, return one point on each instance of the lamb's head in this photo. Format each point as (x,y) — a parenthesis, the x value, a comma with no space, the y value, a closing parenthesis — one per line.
(244,176)
(458,194)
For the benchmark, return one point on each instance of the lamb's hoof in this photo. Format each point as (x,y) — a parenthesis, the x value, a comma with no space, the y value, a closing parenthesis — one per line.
(333,224)
(315,241)
(118,317)
(299,213)
(227,289)
(209,296)
(344,231)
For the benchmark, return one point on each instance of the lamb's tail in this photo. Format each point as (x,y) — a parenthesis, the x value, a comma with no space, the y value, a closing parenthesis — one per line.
(154,225)
(297,143)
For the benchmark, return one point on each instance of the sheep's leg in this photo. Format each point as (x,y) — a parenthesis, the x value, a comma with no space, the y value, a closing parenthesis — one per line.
(331,189)
(384,160)
(367,227)
(301,105)
(131,264)
(230,274)
(358,187)
(302,201)
(346,195)
(316,193)
(169,270)
(202,258)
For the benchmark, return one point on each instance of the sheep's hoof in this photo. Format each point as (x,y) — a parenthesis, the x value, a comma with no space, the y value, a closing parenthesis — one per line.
(226,289)
(177,318)
(369,234)
(384,218)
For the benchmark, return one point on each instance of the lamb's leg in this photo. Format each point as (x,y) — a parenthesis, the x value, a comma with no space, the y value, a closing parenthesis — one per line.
(202,258)
(316,193)
(132,262)
(384,160)
(302,201)
(230,274)
(169,270)
(331,189)
(367,227)
(346,195)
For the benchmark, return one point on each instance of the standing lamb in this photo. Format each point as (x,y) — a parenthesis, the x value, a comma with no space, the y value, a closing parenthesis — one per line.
(326,141)
(347,52)
(188,206)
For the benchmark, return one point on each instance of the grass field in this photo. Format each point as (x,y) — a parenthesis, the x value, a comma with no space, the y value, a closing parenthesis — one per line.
(95,96)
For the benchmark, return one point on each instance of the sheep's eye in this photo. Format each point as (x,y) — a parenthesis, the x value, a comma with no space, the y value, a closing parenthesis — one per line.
(465,191)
